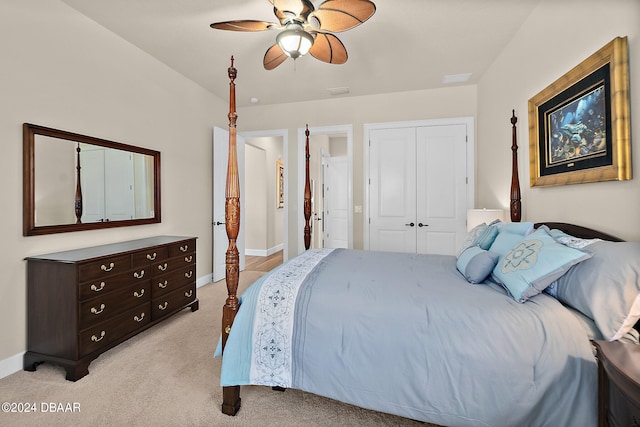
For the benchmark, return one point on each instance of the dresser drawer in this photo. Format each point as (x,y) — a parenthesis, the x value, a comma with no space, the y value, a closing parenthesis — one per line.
(173,264)
(182,248)
(173,301)
(100,287)
(104,267)
(98,336)
(172,281)
(150,255)
(104,307)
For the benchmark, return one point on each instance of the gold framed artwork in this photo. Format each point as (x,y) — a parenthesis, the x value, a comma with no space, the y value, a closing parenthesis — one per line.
(279,183)
(579,126)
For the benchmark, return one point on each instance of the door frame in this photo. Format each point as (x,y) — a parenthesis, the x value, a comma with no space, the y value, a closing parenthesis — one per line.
(324,130)
(368,127)
(284,134)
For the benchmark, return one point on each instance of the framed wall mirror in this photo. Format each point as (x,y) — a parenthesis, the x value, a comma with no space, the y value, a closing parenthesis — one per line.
(74,182)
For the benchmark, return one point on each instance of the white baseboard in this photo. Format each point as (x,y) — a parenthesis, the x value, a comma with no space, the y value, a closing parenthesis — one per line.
(11,365)
(264,252)
(204,280)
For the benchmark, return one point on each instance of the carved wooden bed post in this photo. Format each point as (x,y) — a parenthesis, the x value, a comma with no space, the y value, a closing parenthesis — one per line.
(231,395)
(78,198)
(307,194)
(515,207)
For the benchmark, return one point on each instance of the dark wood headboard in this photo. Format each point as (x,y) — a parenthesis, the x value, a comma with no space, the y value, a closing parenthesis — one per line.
(579,231)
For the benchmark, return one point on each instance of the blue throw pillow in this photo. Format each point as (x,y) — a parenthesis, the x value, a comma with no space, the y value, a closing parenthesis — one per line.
(534,263)
(504,241)
(606,288)
(475,263)
(521,228)
(486,238)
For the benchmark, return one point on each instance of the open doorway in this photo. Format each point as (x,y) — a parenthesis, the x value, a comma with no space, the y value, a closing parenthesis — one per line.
(331,178)
(265,213)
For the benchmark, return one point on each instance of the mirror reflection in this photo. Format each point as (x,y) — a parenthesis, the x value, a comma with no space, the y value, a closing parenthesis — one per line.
(74,182)
(115,184)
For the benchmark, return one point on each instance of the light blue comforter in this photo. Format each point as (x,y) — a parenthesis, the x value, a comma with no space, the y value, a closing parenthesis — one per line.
(408,335)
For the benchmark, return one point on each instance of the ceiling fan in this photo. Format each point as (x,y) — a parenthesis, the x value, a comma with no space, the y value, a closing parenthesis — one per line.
(305,29)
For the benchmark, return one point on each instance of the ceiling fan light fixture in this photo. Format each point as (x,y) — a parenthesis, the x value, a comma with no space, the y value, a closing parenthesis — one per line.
(294,41)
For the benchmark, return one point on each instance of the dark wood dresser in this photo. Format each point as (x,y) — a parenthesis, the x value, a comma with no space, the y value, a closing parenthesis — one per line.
(618,384)
(80,303)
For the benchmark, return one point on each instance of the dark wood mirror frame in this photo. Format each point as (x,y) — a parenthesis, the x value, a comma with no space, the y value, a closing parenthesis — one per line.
(29,223)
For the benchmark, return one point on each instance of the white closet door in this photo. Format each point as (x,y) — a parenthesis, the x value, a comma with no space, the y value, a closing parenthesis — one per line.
(441,188)
(119,195)
(107,185)
(392,190)
(93,185)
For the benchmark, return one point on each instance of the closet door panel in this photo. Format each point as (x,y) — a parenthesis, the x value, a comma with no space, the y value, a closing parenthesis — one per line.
(441,187)
(392,190)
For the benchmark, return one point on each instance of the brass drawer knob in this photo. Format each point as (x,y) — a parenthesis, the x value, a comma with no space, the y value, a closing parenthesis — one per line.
(97,311)
(96,339)
(98,289)
(189,274)
(105,268)
(139,319)
(188,258)
(163,267)
(184,248)
(163,285)
(138,275)
(163,306)
(152,257)
(189,294)
(138,294)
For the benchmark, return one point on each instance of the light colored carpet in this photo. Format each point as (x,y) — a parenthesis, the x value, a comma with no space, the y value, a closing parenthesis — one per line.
(167,376)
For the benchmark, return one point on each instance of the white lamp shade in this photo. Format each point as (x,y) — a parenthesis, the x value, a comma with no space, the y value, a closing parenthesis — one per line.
(478,216)
(294,41)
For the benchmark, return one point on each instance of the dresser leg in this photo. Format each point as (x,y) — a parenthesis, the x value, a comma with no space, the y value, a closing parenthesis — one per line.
(74,369)
(195,305)
(31,362)
(77,371)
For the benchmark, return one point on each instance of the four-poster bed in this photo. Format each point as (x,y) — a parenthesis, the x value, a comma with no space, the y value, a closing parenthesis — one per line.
(428,337)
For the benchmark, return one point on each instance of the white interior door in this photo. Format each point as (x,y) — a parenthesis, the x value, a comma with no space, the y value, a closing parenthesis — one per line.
(118,177)
(220,240)
(392,190)
(92,181)
(441,189)
(336,202)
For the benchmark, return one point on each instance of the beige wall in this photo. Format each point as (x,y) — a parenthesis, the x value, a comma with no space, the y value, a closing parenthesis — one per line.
(556,37)
(357,111)
(255,199)
(273,220)
(61,70)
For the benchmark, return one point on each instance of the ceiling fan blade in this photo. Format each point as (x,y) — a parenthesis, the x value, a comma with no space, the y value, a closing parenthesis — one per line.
(329,48)
(274,57)
(342,15)
(244,25)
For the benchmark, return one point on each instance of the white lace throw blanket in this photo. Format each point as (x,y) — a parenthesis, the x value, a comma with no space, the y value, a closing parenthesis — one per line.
(273,322)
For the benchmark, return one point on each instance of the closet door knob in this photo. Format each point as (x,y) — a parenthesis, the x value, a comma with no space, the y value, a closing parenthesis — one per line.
(411,224)
(422,225)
